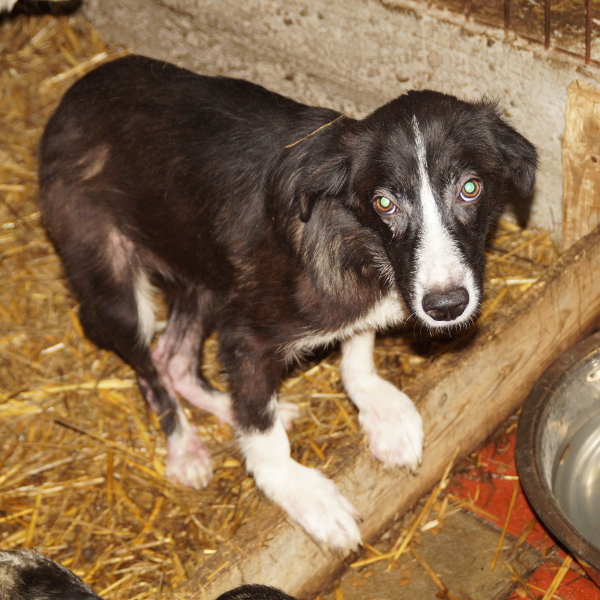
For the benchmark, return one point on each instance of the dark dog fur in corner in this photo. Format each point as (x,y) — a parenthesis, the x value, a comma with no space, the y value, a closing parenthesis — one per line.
(285,227)
(29,575)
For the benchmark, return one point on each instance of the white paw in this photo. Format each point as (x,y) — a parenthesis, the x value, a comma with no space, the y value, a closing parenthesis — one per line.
(188,461)
(288,412)
(393,425)
(314,502)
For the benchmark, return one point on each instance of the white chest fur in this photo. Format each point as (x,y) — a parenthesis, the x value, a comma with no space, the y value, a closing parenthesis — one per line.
(387,312)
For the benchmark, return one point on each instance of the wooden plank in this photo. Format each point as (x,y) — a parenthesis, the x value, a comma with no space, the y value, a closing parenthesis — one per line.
(581,162)
(462,399)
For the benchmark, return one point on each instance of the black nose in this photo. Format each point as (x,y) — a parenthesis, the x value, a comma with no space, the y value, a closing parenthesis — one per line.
(446,306)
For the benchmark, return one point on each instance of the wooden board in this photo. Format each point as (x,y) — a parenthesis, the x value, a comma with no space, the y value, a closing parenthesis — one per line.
(468,394)
(581,162)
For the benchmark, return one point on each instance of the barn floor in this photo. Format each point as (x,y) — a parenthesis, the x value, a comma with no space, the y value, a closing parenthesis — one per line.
(132,554)
(452,556)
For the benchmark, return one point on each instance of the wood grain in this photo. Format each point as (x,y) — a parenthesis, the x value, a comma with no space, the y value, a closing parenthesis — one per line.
(581,162)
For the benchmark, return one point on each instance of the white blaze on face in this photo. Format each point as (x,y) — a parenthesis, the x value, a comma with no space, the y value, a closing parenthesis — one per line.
(440,265)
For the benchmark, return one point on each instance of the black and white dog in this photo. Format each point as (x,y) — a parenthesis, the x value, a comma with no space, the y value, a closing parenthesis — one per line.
(286,227)
(29,575)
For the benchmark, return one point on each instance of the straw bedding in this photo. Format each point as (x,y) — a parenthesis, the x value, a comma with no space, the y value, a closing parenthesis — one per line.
(81,458)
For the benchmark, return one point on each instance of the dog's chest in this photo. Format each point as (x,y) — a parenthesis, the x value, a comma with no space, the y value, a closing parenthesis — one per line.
(387,312)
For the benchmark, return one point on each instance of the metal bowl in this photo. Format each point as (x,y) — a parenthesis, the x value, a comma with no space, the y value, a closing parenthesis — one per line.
(558,451)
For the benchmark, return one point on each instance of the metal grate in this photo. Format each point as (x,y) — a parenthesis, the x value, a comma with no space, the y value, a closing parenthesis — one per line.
(568,26)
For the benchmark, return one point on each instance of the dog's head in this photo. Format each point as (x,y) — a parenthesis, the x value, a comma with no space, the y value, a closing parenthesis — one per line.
(427,172)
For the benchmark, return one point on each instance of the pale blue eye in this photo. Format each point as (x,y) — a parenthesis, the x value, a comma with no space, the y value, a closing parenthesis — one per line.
(470,187)
(385,205)
(471,190)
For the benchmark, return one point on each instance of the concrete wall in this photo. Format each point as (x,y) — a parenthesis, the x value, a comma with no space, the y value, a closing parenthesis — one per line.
(354,55)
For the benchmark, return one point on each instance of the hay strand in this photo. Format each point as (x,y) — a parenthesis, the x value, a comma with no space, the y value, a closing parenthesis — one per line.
(560,574)
(505,528)
(434,577)
(402,543)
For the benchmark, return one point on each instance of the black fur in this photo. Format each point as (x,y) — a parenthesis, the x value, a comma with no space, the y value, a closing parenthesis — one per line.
(243,229)
(29,575)
(255,592)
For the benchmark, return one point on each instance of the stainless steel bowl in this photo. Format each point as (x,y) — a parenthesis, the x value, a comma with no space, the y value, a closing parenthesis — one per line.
(558,451)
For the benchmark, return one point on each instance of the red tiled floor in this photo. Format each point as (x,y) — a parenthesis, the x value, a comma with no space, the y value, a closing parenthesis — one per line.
(575,585)
(486,483)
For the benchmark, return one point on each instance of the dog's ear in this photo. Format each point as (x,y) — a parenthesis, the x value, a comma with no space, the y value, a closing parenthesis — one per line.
(519,155)
(325,179)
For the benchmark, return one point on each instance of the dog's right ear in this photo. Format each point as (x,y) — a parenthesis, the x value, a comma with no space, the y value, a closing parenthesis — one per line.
(519,155)
(324,179)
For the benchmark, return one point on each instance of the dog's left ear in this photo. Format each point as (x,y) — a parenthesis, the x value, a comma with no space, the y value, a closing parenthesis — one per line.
(326,179)
(520,157)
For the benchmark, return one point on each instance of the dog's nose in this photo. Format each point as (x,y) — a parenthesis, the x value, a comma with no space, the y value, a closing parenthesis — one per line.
(446,306)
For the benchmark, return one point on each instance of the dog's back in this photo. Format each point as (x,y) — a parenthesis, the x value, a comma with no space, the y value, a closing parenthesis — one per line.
(185,157)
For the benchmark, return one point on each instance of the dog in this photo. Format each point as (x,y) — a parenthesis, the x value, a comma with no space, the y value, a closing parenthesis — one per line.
(286,228)
(29,575)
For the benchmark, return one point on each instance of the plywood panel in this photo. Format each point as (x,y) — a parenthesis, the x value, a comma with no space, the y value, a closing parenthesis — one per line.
(581,162)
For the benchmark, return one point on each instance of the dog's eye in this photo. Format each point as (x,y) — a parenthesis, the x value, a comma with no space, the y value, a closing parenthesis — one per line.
(471,190)
(385,205)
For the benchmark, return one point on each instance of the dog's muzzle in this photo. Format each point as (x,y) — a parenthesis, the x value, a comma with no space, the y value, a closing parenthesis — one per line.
(446,306)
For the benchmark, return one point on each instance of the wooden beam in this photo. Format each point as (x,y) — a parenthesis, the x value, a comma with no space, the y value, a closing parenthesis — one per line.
(463,398)
(581,162)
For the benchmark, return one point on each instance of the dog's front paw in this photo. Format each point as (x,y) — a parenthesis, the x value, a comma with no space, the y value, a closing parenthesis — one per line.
(393,425)
(315,503)
(188,462)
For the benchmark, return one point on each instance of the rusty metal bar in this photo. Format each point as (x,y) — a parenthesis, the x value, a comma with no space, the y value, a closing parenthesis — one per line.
(547,24)
(577,55)
(467,8)
(588,31)
(587,55)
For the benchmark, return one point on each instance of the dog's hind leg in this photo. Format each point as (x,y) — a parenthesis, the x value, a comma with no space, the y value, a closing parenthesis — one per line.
(178,355)
(305,494)
(178,352)
(117,313)
(388,416)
